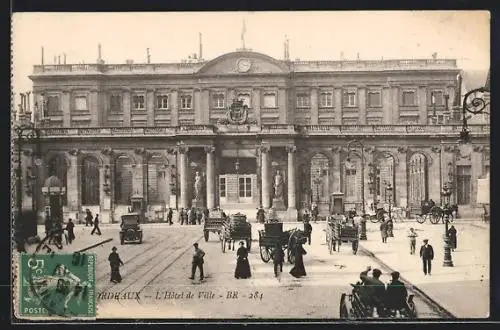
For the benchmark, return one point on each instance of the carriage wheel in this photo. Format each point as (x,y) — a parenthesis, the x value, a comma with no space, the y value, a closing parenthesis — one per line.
(374,218)
(206,234)
(355,247)
(264,254)
(420,218)
(344,312)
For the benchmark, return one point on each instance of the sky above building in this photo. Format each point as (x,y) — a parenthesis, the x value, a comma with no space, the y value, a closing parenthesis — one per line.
(172,37)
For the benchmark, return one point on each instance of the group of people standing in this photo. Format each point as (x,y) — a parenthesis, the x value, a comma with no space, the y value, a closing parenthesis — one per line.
(386,229)
(190,216)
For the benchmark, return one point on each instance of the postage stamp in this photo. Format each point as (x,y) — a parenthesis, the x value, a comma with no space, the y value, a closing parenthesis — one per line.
(57,285)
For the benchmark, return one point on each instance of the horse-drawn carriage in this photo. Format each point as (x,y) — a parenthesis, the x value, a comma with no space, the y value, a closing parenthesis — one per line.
(235,228)
(435,213)
(341,230)
(213,223)
(273,235)
(357,306)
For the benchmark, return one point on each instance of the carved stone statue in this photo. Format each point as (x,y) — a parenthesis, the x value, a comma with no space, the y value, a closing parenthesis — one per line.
(198,185)
(278,185)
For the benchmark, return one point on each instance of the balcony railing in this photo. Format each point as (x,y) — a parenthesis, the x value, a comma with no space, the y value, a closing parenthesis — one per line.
(276,129)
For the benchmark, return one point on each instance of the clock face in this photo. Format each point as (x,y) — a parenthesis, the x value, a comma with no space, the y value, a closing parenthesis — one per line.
(244,65)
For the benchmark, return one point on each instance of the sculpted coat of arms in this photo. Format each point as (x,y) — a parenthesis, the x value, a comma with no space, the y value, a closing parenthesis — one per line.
(237,114)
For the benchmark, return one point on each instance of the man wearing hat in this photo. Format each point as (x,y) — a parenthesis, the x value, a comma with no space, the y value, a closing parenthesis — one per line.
(396,293)
(115,262)
(197,261)
(374,288)
(427,254)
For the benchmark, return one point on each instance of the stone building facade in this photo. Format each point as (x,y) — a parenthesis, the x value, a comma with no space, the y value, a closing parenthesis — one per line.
(113,132)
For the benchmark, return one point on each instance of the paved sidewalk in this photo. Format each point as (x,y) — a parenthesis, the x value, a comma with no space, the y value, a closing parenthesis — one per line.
(464,290)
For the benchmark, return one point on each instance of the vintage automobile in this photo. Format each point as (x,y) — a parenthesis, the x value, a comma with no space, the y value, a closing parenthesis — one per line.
(130,228)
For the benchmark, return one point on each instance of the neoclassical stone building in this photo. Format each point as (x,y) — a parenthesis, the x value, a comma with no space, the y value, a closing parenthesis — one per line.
(116,131)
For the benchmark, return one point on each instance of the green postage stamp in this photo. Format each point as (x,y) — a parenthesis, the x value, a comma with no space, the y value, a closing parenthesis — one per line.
(57,285)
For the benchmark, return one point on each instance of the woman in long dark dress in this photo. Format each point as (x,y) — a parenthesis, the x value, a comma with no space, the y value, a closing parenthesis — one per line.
(298,269)
(115,262)
(242,264)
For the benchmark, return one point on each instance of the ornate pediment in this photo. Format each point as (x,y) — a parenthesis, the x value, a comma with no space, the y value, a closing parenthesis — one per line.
(243,63)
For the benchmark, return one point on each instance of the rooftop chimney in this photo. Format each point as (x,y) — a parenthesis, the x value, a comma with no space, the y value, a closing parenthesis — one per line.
(42,57)
(64,57)
(148,55)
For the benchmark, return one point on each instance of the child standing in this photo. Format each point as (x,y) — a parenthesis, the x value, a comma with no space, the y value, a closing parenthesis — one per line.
(413,240)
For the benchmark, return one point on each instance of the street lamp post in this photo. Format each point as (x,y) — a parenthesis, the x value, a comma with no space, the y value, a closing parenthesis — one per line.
(25,133)
(363,217)
(476,106)
(447,262)
(388,193)
(317,183)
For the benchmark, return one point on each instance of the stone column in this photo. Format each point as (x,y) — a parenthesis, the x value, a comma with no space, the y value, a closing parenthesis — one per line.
(105,192)
(394,114)
(73,183)
(336,169)
(314,106)
(256,99)
(292,204)
(94,107)
(126,108)
(422,104)
(210,177)
(362,104)
(401,177)
(150,107)
(338,105)
(283,106)
(198,109)
(183,176)
(66,108)
(174,117)
(266,197)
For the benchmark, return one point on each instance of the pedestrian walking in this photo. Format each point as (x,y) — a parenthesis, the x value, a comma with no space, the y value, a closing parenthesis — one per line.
(315,212)
(427,254)
(261,215)
(70,226)
(298,270)
(242,265)
(192,216)
(452,235)
(170,214)
(278,259)
(115,262)
(181,216)
(48,223)
(198,262)
(308,230)
(413,240)
(206,214)
(96,226)
(383,231)
(199,215)
(390,227)
(88,218)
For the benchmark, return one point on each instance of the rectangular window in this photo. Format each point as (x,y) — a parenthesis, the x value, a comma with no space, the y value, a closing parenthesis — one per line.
(303,100)
(440,119)
(408,98)
(350,98)
(81,103)
(245,97)
(53,105)
(374,99)
(222,187)
(245,187)
(115,103)
(162,102)
(463,184)
(269,100)
(186,101)
(138,102)
(437,98)
(218,101)
(326,99)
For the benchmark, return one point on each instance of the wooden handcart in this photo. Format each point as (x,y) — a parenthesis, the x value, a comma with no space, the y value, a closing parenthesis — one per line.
(235,228)
(339,231)
(213,224)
